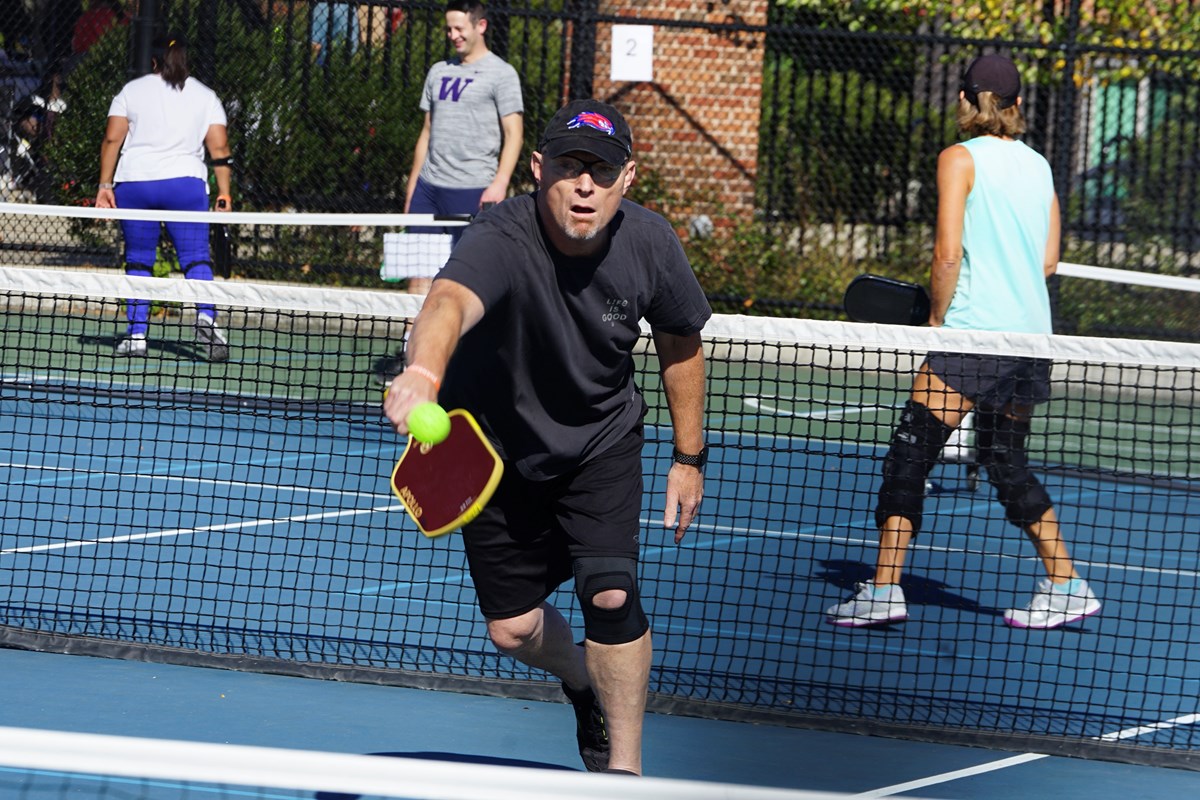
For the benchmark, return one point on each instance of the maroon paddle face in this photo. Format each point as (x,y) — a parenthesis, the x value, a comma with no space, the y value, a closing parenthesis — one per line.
(444,486)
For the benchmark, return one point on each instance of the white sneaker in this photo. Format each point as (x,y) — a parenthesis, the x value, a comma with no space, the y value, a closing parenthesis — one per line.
(212,337)
(132,345)
(870,605)
(1053,606)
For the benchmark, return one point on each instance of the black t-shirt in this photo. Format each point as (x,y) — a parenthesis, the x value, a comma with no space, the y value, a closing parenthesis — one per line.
(548,371)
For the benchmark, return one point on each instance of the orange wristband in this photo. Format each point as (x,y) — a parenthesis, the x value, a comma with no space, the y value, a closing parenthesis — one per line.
(427,375)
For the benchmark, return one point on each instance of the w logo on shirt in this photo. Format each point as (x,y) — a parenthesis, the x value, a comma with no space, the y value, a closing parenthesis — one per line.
(453,88)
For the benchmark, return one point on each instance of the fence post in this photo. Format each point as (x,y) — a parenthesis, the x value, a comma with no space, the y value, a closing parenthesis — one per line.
(143,26)
(583,48)
(205,58)
(1064,135)
(498,24)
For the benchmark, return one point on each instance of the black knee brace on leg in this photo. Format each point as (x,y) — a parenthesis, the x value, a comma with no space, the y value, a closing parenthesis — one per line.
(1001,442)
(916,444)
(595,574)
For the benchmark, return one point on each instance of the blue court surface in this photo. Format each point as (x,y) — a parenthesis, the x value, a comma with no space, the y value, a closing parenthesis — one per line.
(84,694)
(264,530)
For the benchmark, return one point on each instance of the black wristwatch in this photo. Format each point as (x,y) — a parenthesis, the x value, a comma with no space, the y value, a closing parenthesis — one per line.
(698,461)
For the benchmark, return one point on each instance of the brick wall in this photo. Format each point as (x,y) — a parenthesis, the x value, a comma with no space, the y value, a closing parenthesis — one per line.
(696,124)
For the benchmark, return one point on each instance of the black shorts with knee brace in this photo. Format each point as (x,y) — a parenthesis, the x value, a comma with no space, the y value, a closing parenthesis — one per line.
(916,445)
(1001,443)
(596,574)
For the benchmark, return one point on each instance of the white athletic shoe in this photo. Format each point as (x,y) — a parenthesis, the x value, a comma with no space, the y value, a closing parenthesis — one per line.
(870,605)
(132,345)
(1053,606)
(212,337)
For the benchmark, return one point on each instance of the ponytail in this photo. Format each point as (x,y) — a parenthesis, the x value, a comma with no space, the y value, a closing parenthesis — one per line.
(170,60)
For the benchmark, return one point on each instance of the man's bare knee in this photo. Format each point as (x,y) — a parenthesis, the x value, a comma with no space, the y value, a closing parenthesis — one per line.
(513,634)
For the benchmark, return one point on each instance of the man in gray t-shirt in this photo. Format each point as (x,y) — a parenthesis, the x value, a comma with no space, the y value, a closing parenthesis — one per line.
(471,140)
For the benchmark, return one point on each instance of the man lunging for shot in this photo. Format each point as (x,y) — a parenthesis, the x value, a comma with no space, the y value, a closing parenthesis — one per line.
(532,326)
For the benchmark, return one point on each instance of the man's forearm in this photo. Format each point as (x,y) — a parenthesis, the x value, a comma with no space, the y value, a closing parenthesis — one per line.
(681,360)
(510,150)
(449,311)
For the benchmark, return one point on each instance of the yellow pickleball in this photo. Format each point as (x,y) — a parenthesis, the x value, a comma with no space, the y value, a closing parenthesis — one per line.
(429,423)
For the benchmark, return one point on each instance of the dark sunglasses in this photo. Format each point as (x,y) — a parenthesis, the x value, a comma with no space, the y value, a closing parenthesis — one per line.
(602,172)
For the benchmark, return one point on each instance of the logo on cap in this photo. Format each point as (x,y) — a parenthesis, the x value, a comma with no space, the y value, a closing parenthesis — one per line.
(591,119)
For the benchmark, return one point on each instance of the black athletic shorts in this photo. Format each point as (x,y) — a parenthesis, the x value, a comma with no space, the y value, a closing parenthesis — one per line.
(521,545)
(994,382)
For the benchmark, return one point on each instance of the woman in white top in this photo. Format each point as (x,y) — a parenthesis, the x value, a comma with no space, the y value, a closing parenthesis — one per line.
(152,157)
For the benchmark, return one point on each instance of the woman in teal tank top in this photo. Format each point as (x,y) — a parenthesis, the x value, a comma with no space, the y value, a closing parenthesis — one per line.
(996,243)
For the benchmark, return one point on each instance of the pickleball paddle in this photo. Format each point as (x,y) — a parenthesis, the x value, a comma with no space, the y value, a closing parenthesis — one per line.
(874,298)
(444,486)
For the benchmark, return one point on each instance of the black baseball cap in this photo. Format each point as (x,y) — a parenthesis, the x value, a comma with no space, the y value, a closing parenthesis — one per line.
(589,126)
(995,74)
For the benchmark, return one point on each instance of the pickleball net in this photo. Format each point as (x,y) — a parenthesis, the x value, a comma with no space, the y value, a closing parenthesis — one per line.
(53,764)
(371,250)
(1128,303)
(238,514)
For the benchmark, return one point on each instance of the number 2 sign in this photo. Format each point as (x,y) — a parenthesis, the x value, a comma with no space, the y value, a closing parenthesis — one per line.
(632,53)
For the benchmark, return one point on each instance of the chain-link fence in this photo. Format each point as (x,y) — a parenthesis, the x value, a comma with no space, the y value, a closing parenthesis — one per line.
(323,98)
(853,122)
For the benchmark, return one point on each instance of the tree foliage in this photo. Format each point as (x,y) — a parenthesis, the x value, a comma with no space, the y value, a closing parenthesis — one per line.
(1165,24)
(1161,28)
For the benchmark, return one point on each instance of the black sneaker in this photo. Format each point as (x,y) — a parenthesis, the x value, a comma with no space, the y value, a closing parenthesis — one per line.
(589,729)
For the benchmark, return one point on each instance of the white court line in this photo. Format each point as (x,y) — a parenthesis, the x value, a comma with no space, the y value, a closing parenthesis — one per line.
(1025,758)
(203,481)
(946,777)
(450,578)
(809,533)
(838,412)
(228,526)
(1129,733)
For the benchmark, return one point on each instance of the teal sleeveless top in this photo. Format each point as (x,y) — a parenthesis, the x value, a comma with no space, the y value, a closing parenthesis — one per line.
(1002,285)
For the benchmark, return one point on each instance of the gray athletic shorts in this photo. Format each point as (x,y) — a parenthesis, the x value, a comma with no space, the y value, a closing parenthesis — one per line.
(994,382)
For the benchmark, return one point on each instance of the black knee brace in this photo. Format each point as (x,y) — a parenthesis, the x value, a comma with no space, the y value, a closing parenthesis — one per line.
(140,270)
(595,574)
(916,444)
(1001,442)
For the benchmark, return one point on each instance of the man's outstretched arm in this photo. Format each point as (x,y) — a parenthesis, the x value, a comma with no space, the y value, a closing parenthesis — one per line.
(449,311)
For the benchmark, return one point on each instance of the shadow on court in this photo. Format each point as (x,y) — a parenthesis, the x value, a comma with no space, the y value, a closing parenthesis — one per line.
(451,758)
(180,349)
(918,591)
